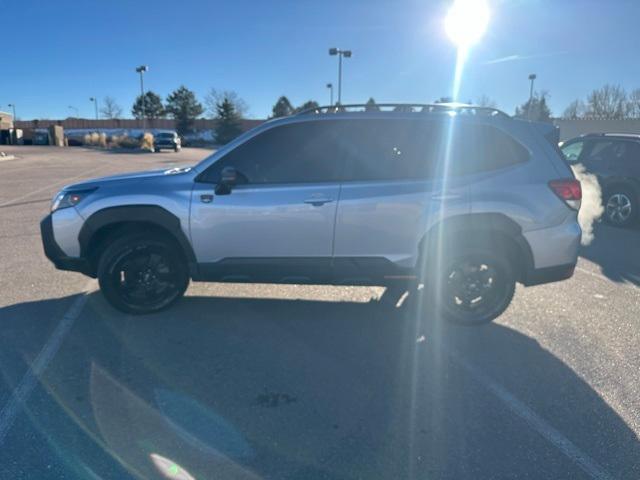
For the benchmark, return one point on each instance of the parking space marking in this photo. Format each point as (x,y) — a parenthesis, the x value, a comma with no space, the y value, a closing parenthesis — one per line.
(605,279)
(21,393)
(63,181)
(537,423)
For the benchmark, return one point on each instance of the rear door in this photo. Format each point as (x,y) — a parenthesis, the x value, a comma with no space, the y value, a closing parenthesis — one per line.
(393,189)
(282,211)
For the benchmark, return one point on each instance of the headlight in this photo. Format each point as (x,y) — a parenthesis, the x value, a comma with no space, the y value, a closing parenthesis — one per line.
(69,199)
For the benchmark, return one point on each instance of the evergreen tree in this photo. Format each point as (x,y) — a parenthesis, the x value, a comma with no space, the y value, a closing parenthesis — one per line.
(282,108)
(153,107)
(535,109)
(371,106)
(228,121)
(308,105)
(184,107)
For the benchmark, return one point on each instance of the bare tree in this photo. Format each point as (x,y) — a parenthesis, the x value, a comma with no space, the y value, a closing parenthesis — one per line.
(608,102)
(215,98)
(110,108)
(633,104)
(574,110)
(486,101)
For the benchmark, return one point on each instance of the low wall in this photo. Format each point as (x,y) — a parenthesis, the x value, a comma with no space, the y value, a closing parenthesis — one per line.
(127,123)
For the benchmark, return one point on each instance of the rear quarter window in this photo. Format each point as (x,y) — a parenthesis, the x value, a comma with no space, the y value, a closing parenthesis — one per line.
(482,148)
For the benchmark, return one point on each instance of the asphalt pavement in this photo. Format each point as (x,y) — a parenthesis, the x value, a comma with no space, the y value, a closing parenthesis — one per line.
(305,382)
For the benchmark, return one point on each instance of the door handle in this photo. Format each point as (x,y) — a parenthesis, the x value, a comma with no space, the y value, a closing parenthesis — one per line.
(318,201)
(206,198)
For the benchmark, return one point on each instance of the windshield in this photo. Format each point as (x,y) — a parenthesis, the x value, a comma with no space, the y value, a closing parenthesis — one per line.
(338,240)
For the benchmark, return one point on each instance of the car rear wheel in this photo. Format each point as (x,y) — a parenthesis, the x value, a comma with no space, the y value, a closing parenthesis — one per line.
(472,286)
(141,274)
(620,207)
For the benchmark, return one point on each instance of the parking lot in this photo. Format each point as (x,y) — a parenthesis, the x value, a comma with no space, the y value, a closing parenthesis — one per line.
(253,381)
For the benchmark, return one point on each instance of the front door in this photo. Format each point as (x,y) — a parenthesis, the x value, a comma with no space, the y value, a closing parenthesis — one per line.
(278,221)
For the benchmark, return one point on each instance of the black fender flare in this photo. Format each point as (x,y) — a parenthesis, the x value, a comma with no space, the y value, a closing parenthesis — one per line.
(473,225)
(148,214)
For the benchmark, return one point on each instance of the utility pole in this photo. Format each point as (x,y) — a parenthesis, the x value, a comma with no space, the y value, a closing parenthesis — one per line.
(532,78)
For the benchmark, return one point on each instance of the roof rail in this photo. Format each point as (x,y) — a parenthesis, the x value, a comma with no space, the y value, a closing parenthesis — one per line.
(460,108)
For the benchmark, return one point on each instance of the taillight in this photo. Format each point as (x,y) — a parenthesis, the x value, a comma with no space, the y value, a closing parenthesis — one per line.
(569,190)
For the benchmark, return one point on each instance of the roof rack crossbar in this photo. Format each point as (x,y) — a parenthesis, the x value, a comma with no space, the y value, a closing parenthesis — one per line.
(405,108)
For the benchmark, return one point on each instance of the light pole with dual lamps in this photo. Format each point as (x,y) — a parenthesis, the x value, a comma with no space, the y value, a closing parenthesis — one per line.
(340,53)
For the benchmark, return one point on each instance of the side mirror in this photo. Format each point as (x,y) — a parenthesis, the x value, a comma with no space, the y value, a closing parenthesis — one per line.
(228,179)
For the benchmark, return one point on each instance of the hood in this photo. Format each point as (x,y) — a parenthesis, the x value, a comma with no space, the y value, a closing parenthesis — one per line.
(133,177)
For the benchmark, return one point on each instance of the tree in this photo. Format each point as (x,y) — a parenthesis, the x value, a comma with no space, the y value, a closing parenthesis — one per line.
(308,105)
(183,106)
(110,108)
(536,108)
(228,121)
(371,106)
(153,107)
(214,97)
(282,108)
(485,101)
(633,104)
(608,102)
(444,100)
(574,110)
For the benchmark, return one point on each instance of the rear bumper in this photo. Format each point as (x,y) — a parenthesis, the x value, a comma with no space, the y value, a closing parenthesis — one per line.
(54,253)
(549,274)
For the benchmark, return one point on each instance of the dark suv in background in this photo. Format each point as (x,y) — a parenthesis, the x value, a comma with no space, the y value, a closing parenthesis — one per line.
(167,140)
(615,160)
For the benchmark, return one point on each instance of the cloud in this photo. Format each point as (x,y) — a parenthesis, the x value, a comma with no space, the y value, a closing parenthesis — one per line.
(517,57)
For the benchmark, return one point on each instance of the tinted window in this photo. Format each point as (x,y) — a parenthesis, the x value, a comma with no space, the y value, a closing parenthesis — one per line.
(302,152)
(481,148)
(572,151)
(410,149)
(387,150)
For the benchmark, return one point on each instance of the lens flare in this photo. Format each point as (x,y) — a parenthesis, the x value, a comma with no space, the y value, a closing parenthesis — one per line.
(467,21)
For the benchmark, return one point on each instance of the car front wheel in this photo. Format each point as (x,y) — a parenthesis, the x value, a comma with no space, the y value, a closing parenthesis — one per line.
(141,274)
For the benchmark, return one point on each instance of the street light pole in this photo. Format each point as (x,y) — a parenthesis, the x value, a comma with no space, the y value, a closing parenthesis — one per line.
(532,77)
(141,69)
(13,106)
(340,53)
(95,104)
(330,87)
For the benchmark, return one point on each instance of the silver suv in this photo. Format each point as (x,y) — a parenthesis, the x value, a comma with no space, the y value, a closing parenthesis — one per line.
(462,199)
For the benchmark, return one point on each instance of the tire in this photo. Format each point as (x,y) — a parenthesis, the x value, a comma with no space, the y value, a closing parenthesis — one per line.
(620,207)
(475,285)
(142,274)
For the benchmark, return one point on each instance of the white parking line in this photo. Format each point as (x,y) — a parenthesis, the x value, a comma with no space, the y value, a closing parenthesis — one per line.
(21,393)
(605,279)
(537,423)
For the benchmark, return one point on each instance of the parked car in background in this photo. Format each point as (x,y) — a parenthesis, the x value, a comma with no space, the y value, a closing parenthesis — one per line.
(167,140)
(615,160)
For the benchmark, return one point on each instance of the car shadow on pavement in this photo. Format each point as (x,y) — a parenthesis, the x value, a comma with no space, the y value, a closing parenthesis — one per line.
(617,252)
(283,388)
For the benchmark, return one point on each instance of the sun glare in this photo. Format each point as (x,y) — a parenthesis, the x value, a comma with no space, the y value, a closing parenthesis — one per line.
(467,21)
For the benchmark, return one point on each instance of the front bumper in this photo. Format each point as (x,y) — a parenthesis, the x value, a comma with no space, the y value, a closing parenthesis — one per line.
(54,253)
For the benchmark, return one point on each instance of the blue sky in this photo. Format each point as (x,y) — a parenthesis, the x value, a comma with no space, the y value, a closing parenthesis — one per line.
(61,53)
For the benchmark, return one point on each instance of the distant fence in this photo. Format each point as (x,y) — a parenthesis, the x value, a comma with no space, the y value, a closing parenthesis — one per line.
(126,123)
(574,128)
